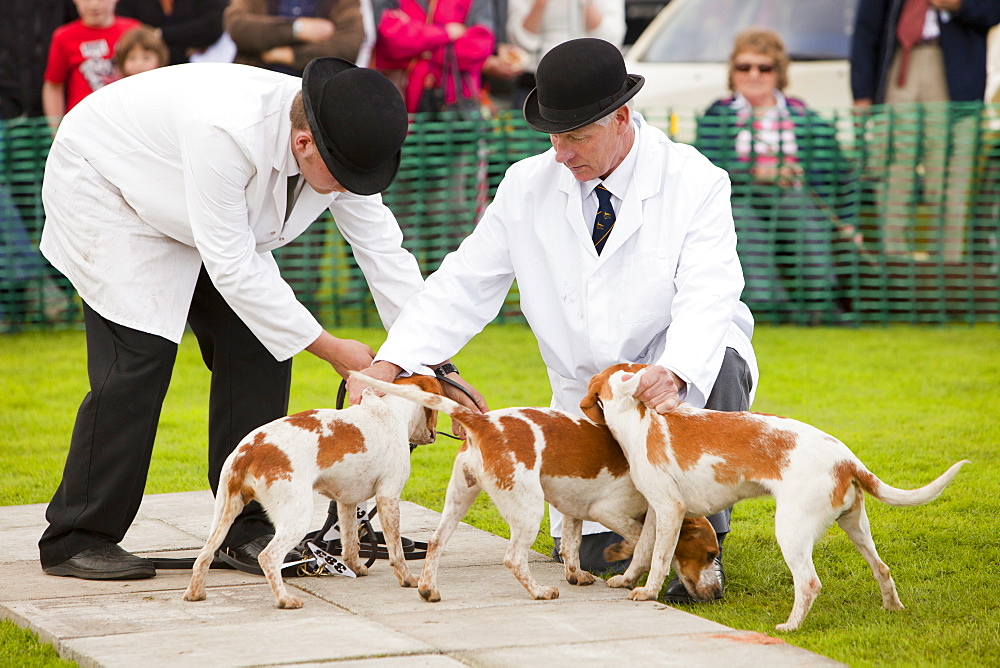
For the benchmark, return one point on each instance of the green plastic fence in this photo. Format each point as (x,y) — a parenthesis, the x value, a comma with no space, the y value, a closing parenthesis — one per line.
(890,216)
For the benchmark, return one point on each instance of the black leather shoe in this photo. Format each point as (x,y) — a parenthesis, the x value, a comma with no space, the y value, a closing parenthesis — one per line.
(104,561)
(676,593)
(244,557)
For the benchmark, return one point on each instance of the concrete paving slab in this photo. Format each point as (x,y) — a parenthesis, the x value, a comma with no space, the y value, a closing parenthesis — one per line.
(486,617)
(278,642)
(464,588)
(411,661)
(720,649)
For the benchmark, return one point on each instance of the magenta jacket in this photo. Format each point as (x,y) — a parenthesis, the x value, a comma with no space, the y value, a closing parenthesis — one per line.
(408,42)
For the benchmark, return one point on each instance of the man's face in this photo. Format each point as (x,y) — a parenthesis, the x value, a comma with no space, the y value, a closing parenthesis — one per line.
(311,164)
(594,151)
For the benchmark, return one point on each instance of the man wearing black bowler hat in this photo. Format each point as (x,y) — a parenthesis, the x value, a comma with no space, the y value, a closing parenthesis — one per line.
(623,247)
(164,195)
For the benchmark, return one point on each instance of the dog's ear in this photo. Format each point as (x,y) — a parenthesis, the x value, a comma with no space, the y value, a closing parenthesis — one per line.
(591,407)
(591,402)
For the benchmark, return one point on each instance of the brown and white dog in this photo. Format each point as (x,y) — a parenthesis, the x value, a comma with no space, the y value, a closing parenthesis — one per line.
(522,457)
(349,455)
(698,461)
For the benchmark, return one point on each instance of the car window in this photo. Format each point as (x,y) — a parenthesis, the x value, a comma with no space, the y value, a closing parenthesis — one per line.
(702,31)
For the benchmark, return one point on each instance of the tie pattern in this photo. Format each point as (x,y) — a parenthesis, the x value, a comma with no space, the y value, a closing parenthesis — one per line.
(605,219)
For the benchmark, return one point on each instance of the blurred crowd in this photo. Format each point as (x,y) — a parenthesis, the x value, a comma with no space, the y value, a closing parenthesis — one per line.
(478,56)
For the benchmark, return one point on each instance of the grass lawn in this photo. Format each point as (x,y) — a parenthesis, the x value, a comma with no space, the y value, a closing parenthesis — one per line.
(909,401)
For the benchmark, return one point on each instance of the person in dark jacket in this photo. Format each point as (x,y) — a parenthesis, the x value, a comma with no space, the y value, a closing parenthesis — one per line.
(187,26)
(794,194)
(920,56)
(954,32)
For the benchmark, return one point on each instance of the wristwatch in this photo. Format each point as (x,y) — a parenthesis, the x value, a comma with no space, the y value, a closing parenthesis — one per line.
(296,28)
(445,369)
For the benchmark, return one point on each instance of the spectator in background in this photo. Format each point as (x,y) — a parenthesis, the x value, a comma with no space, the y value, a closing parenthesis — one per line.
(538,25)
(26,28)
(187,26)
(505,64)
(792,190)
(140,50)
(80,56)
(923,51)
(417,41)
(284,35)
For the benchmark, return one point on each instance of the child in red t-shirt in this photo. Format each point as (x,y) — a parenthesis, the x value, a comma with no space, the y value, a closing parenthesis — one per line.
(80,56)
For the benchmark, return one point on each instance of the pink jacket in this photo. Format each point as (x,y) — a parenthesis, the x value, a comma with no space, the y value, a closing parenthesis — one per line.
(408,42)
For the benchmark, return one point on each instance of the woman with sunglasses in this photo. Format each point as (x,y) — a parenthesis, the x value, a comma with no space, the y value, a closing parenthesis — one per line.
(793,195)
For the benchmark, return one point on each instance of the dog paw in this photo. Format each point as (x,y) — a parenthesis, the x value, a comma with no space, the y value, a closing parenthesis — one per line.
(360,571)
(407,581)
(193,595)
(619,582)
(580,578)
(786,627)
(546,594)
(642,594)
(430,595)
(289,603)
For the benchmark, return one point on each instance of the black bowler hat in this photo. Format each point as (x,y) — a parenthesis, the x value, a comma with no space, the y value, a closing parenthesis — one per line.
(578,82)
(358,120)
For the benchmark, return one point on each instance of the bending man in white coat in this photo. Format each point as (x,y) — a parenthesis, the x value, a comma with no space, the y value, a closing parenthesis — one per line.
(164,195)
(624,250)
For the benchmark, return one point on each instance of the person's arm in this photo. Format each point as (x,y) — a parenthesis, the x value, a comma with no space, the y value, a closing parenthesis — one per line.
(610,20)
(869,29)
(708,284)
(216,173)
(402,37)
(53,102)
(344,42)
(524,23)
(978,14)
(199,31)
(376,241)
(344,355)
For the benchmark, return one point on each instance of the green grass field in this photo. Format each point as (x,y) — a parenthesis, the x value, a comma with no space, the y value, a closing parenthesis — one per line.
(909,401)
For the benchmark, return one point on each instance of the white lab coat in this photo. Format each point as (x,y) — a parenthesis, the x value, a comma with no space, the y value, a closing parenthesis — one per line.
(665,290)
(159,173)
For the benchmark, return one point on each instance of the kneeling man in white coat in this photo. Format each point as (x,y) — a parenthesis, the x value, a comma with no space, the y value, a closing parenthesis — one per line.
(624,250)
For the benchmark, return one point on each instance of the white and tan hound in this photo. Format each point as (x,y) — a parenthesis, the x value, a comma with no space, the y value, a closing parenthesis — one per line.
(697,462)
(522,457)
(349,455)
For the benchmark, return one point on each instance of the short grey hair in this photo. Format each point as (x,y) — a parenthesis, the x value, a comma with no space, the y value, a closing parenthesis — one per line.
(604,121)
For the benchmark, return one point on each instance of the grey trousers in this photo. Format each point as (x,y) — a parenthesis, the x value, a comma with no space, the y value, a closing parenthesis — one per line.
(731,393)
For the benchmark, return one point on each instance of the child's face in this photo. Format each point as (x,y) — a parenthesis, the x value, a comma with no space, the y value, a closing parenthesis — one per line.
(96,13)
(140,60)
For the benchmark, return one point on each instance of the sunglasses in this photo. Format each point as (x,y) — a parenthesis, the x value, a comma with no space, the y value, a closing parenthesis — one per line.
(746,67)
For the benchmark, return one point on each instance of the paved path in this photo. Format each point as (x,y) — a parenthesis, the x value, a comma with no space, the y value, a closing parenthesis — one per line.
(484,619)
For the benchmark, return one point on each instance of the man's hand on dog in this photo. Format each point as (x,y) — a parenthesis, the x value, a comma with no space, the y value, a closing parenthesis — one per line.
(381,370)
(659,389)
(344,355)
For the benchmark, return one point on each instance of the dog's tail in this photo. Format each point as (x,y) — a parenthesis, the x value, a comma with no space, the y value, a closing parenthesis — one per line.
(465,416)
(906,497)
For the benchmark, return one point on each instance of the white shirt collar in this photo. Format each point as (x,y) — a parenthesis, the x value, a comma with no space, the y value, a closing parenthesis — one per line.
(618,180)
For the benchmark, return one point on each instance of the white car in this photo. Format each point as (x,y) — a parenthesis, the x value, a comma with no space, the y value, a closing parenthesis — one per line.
(685,50)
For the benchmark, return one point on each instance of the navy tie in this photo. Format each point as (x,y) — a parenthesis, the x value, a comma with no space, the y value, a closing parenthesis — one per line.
(605,219)
(293,182)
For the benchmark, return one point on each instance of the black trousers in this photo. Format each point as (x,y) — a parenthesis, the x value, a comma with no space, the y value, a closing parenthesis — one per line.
(731,392)
(112,442)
